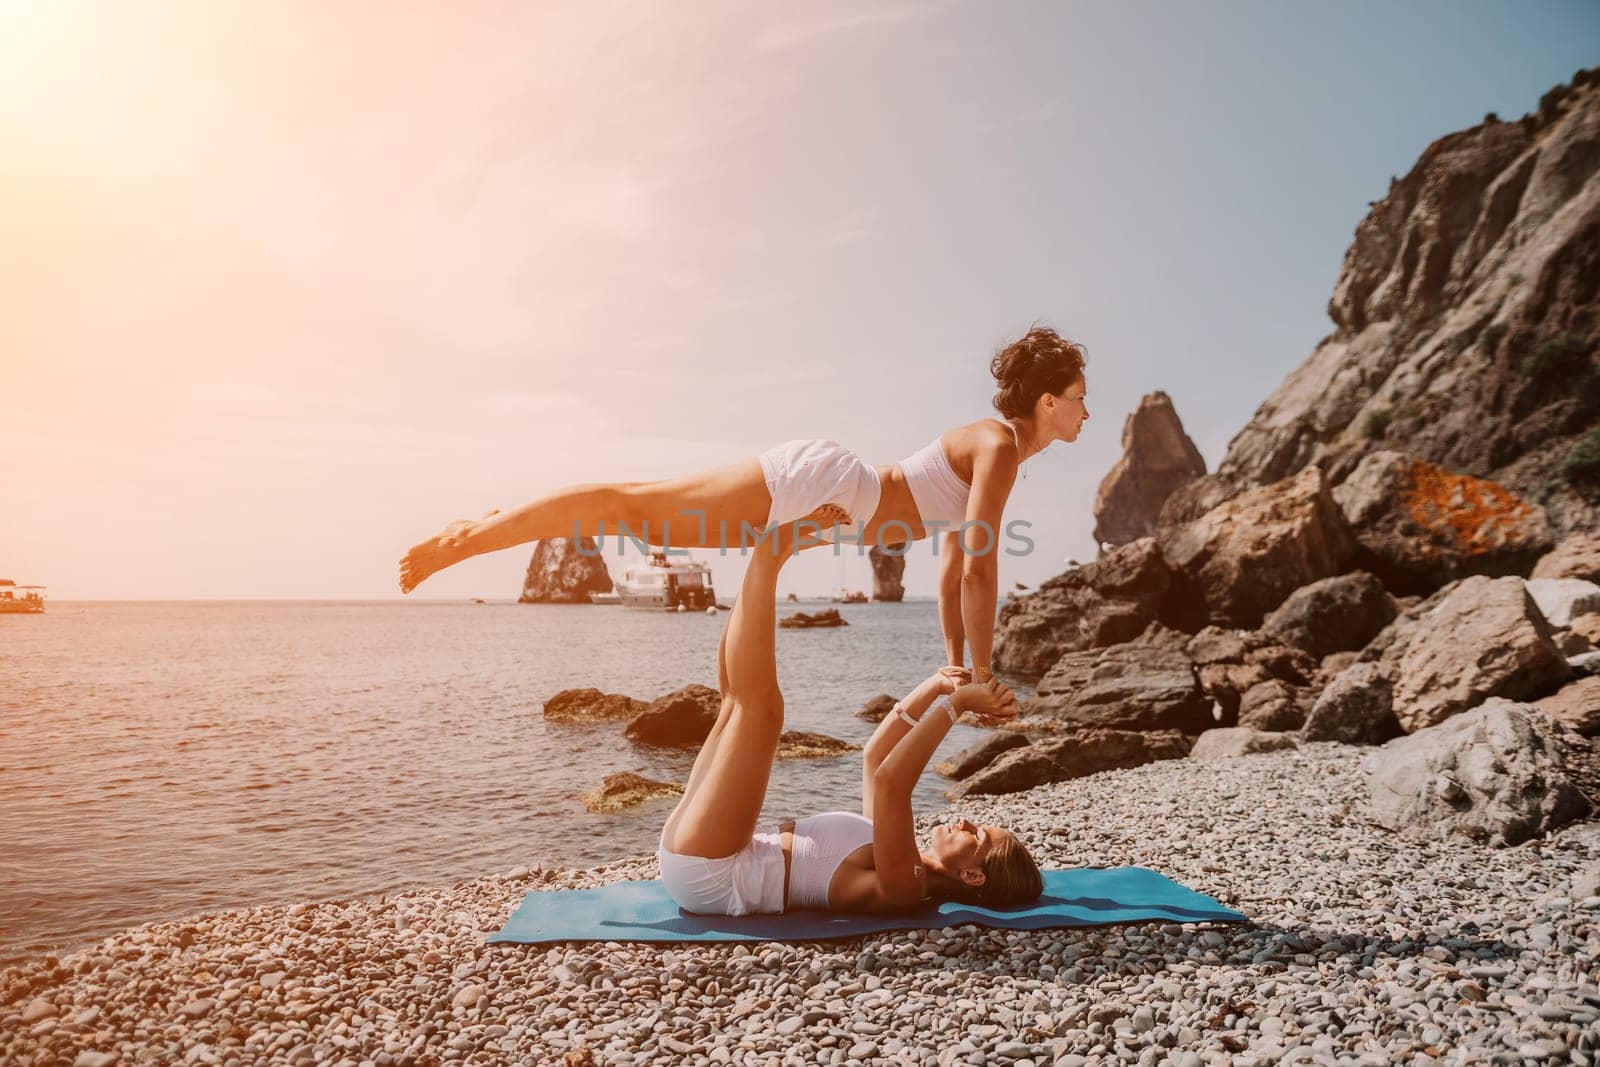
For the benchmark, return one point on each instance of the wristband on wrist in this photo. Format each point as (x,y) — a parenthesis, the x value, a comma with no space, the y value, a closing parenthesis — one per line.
(905,716)
(948,706)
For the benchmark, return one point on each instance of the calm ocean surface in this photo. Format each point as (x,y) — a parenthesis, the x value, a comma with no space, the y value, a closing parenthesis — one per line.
(162,759)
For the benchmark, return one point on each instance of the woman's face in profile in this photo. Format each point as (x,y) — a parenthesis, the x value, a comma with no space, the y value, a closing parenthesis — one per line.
(1067,411)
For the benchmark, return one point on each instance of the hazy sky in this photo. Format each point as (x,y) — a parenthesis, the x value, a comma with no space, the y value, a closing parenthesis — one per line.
(286,286)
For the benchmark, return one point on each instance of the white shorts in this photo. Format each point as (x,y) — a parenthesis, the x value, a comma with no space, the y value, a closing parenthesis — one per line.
(804,475)
(748,882)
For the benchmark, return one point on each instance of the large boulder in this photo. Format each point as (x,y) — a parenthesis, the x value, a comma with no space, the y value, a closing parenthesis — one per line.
(1494,774)
(1577,556)
(1126,687)
(1240,560)
(1157,458)
(1073,755)
(1486,638)
(1227,741)
(590,705)
(562,571)
(1357,707)
(681,719)
(888,574)
(1420,526)
(1563,600)
(1338,614)
(1102,603)
(975,758)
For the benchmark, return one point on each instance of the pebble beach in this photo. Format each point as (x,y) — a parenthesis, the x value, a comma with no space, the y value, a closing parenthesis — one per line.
(1364,948)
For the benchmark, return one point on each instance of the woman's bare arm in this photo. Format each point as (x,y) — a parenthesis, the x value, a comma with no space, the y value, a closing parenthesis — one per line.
(950,561)
(893,728)
(994,471)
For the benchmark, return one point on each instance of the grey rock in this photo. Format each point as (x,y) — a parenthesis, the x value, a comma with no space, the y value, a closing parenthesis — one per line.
(1335,614)
(1229,741)
(1486,638)
(1561,600)
(974,758)
(1072,755)
(1129,687)
(1102,603)
(1494,774)
(1357,707)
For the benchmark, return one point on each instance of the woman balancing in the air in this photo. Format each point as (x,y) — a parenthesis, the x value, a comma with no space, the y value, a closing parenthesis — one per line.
(713,861)
(962,478)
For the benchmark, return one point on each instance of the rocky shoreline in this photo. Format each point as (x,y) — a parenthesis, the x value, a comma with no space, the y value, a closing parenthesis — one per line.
(1365,947)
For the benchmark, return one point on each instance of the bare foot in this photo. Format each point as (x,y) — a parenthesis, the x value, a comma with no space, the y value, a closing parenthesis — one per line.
(825,518)
(436,553)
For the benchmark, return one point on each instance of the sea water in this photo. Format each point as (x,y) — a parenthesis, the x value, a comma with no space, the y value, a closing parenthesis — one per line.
(163,759)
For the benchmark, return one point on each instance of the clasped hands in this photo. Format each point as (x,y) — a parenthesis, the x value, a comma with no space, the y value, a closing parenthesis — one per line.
(990,700)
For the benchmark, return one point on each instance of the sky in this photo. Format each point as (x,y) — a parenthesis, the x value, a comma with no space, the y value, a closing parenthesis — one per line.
(286,287)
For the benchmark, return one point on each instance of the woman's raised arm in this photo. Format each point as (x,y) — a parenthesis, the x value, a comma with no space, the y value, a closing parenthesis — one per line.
(895,855)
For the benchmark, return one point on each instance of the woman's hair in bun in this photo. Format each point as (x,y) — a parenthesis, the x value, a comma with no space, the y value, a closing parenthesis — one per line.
(1039,362)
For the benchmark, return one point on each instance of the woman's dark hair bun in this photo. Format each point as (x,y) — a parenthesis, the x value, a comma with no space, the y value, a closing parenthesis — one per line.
(1040,361)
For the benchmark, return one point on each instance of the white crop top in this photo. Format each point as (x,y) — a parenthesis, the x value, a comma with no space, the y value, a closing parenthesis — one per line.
(821,842)
(940,494)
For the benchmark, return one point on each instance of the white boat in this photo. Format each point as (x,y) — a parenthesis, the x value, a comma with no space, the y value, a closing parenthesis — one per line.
(662,584)
(604,599)
(20,599)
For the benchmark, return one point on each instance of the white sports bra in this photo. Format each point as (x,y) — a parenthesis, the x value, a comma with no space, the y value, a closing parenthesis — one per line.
(940,494)
(821,842)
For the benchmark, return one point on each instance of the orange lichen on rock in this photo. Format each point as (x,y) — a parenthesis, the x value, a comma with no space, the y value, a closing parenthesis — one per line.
(1477,516)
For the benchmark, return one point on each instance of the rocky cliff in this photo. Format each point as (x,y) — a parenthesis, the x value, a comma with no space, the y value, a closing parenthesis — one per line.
(558,573)
(1466,326)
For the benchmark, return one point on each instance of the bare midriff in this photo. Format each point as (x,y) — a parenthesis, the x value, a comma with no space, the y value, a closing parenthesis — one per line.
(897,509)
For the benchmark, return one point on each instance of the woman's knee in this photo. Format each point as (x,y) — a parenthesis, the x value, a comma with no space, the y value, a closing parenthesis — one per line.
(762,705)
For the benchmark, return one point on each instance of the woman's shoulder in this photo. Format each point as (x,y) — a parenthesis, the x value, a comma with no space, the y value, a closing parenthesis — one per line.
(987,437)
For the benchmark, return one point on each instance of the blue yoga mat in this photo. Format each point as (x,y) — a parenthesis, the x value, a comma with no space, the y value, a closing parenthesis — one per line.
(642,911)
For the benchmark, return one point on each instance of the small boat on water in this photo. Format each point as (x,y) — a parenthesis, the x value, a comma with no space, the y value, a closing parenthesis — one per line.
(605,599)
(20,599)
(662,584)
(851,596)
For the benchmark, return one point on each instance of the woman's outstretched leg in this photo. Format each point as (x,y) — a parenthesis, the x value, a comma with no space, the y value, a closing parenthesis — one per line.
(688,512)
(722,802)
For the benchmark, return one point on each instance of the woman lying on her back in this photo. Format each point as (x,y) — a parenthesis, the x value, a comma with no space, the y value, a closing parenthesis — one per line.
(714,862)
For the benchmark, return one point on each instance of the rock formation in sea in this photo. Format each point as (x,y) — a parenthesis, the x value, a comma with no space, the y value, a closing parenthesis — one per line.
(558,573)
(1157,458)
(888,570)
